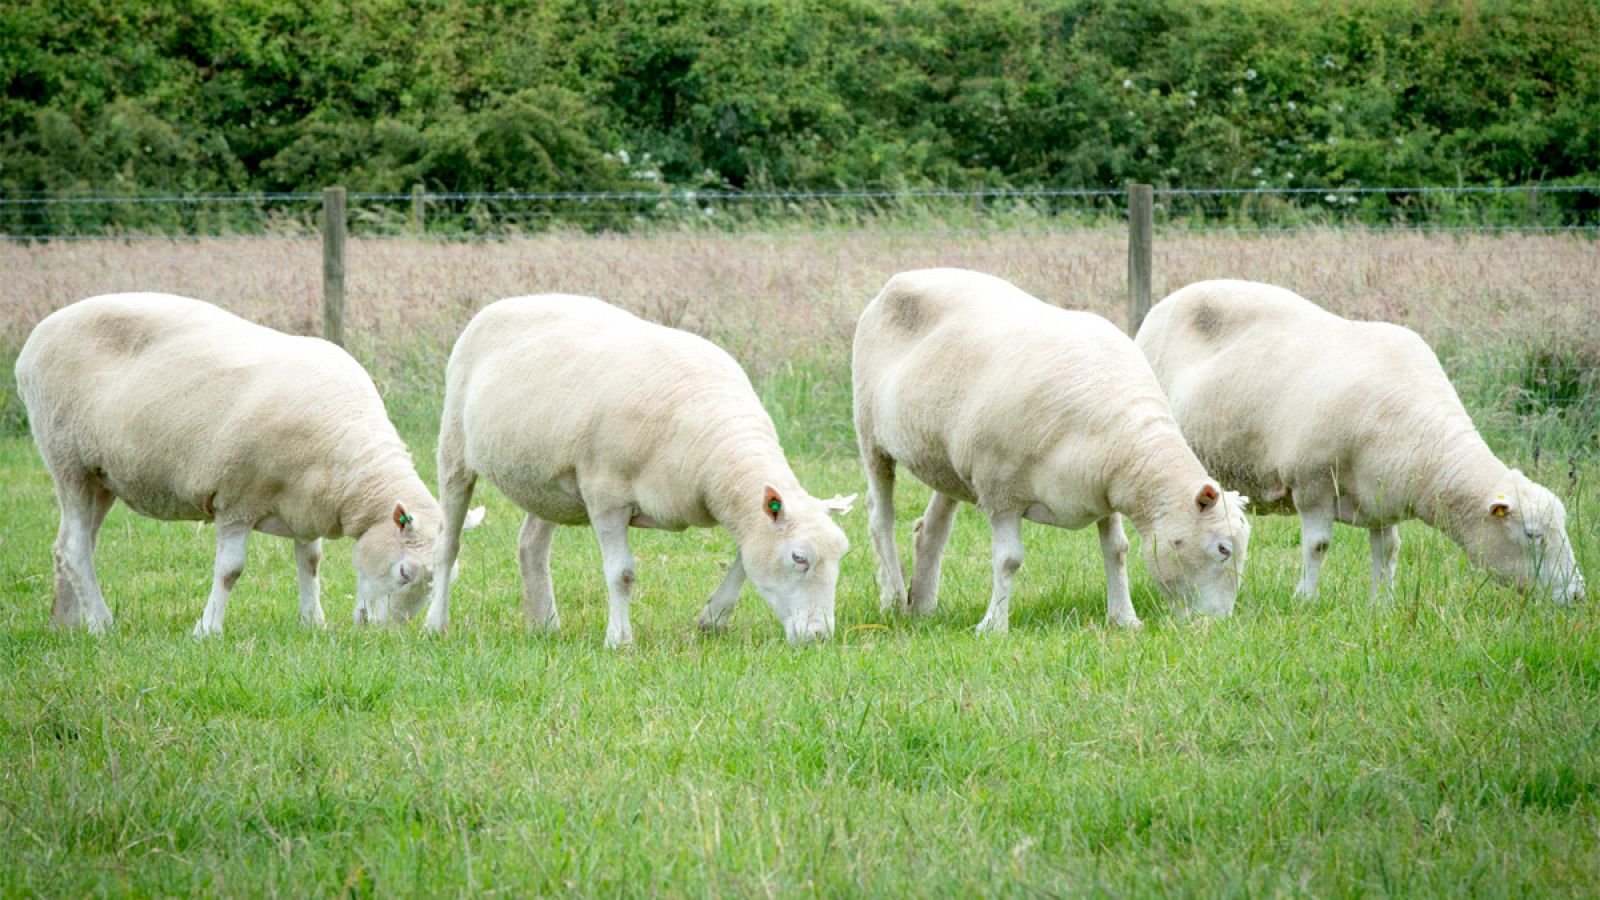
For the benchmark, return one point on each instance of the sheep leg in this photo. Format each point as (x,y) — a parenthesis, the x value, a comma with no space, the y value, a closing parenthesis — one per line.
(308,566)
(533,555)
(232,540)
(880,522)
(930,534)
(1385,557)
(611,527)
(455,494)
(719,609)
(78,600)
(1007,528)
(1114,548)
(1316,532)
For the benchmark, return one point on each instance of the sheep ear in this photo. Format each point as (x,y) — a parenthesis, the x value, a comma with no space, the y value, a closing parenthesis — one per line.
(839,505)
(1207,497)
(402,519)
(474,519)
(772,503)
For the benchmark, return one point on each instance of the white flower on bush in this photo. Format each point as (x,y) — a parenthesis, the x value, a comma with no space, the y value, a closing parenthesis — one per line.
(1288,176)
(1331,198)
(1249,74)
(1127,82)
(1291,106)
(1238,89)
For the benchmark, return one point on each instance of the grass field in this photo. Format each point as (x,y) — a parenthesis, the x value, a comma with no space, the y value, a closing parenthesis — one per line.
(1447,743)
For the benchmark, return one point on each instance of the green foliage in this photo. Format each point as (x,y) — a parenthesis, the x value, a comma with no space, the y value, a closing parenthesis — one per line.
(114,95)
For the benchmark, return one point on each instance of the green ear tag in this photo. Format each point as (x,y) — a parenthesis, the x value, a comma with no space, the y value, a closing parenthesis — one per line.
(774,505)
(405,520)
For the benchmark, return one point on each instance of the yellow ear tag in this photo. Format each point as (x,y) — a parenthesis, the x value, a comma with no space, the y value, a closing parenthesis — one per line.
(1500,511)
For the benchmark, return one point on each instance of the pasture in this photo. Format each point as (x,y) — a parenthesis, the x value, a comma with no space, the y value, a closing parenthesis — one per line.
(1444,743)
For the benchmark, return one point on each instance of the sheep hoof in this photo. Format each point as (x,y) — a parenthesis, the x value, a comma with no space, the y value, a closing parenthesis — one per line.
(618,638)
(1131,622)
(203,631)
(710,621)
(922,606)
(993,627)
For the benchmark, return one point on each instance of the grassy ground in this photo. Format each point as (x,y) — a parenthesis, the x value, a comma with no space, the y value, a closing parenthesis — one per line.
(1448,743)
(1442,744)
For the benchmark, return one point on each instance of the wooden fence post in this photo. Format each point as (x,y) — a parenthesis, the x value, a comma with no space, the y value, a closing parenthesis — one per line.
(418,216)
(1141,229)
(333,228)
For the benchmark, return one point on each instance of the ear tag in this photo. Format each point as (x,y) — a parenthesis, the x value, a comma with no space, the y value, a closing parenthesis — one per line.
(405,519)
(774,505)
(1499,511)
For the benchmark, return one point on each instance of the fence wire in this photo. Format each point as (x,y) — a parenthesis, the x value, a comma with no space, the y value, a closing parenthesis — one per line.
(465,215)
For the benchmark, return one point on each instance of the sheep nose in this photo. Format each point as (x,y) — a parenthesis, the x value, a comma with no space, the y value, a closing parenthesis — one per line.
(808,629)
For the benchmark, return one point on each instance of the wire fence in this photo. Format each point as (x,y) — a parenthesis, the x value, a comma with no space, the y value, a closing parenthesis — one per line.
(1503,282)
(465,215)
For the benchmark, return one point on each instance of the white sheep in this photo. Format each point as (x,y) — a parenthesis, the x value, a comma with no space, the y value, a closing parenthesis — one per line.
(580,412)
(185,411)
(1346,421)
(992,397)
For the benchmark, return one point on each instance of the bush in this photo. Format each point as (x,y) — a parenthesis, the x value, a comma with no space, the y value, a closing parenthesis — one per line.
(277,95)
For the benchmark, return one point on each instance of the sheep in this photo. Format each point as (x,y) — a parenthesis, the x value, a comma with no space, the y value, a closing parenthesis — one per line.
(1347,421)
(186,412)
(582,413)
(993,397)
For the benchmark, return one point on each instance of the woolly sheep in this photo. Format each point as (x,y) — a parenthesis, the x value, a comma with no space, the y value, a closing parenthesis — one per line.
(992,397)
(580,412)
(1346,421)
(187,412)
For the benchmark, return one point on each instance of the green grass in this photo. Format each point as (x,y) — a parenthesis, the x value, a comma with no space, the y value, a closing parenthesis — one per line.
(1444,744)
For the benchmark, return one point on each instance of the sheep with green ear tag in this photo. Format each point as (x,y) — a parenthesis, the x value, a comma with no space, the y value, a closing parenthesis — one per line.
(1344,421)
(584,414)
(185,411)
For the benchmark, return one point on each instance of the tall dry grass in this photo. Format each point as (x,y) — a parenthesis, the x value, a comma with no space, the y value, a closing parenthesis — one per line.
(785,305)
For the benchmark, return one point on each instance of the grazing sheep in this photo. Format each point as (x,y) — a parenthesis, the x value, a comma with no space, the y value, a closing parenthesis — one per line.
(1346,421)
(581,413)
(184,411)
(992,397)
